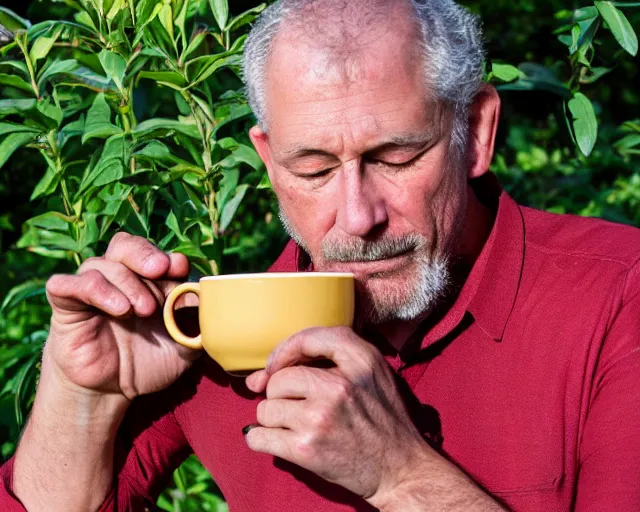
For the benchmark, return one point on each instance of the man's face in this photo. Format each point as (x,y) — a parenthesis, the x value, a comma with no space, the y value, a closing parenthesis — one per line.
(360,159)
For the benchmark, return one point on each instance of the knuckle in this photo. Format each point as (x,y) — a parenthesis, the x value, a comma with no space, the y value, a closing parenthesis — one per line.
(342,391)
(89,263)
(119,238)
(320,419)
(305,448)
(95,282)
(54,283)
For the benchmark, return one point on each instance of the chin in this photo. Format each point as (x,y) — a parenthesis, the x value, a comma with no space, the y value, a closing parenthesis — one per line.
(403,295)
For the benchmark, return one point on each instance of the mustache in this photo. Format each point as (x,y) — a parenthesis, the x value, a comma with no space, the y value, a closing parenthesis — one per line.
(357,250)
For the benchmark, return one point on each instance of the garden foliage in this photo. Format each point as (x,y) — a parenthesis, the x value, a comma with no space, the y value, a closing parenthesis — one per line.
(129,115)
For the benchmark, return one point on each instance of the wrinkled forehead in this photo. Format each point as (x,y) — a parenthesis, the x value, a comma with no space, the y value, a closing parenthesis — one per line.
(366,86)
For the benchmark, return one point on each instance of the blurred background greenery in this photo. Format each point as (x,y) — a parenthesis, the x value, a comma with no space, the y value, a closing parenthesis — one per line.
(569,142)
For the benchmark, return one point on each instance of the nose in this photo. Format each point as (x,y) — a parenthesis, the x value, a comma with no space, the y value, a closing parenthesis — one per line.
(361,208)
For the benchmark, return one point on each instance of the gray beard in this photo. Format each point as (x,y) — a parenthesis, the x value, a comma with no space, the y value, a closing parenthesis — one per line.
(403,302)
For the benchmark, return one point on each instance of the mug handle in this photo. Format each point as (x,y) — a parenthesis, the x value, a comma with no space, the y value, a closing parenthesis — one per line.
(170,321)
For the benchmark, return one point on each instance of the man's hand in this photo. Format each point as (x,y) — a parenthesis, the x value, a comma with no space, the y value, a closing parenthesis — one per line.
(107,344)
(348,424)
(107,335)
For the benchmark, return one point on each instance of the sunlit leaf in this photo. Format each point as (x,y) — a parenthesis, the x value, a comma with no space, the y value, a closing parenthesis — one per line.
(18,106)
(14,128)
(13,142)
(98,124)
(164,127)
(231,207)
(220,10)
(21,292)
(42,47)
(12,21)
(47,184)
(619,26)
(245,18)
(114,66)
(15,81)
(584,122)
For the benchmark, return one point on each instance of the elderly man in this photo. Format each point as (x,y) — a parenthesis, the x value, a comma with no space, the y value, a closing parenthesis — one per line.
(496,355)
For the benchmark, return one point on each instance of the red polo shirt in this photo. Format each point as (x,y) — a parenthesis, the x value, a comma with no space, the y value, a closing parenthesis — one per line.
(530,382)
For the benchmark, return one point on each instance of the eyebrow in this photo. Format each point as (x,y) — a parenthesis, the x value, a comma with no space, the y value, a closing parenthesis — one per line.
(411,141)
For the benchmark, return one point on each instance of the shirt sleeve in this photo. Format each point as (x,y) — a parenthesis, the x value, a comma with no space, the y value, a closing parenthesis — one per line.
(149,447)
(609,471)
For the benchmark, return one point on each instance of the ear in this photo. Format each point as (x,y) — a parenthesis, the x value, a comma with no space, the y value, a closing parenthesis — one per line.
(483,125)
(260,140)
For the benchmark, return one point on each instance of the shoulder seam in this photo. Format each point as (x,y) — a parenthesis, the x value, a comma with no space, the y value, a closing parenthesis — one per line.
(599,257)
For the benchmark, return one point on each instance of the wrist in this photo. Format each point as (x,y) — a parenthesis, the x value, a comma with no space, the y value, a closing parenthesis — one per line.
(398,492)
(61,402)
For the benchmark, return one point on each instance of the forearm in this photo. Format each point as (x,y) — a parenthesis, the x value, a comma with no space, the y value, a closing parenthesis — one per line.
(437,485)
(64,461)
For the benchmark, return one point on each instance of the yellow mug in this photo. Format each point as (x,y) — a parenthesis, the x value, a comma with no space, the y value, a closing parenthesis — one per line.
(243,317)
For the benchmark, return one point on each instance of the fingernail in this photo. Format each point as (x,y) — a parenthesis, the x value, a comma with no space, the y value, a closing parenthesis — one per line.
(248,429)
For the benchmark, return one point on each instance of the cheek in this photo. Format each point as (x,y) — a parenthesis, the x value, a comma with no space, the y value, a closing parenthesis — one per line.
(312,213)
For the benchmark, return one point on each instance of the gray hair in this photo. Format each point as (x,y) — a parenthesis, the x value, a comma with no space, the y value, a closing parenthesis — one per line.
(451,41)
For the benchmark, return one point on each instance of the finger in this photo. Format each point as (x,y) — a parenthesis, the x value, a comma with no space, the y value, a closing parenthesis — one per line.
(274,441)
(257,381)
(281,413)
(129,283)
(139,255)
(341,345)
(298,382)
(178,266)
(85,292)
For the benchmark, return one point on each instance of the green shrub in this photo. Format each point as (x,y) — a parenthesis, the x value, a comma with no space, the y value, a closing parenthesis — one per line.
(119,115)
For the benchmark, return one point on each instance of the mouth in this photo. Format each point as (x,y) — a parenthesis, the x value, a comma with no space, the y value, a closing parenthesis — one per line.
(373,267)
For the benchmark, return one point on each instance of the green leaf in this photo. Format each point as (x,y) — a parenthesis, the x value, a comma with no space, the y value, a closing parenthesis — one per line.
(619,26)
(584,122)
(50,111)
(201,68)
(265,182)
(628,142)
(197,40)
(164,76)
(12,21)
(243,154)
(47,184)
(22,292)
(245,18)
(220,10)
(98,124)
(168,126)
(54,221)
(109,167)
(166,18)
(585,13)
(11,143)
(57,67)
(8,107)
(15,81)
(114,66)
(82,76)
(14,128)
(89,232)
(625,5)
(231,207)
(505,72)
(42,47)
(595,74)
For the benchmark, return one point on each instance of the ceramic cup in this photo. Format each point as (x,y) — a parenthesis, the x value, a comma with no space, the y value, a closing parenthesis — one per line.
(243,317)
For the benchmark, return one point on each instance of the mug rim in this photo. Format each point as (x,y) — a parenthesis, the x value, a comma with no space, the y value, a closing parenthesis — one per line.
(270,275)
